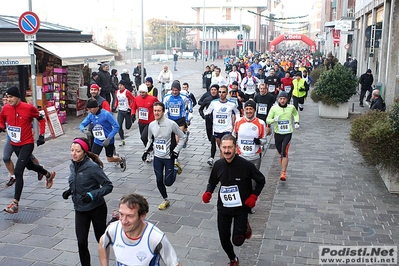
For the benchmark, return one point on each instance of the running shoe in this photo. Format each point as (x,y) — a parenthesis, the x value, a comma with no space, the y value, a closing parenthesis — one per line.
(164,205)
(122,143)
(178,168)
(39,176)
(50,180)
(12,208)
(210,161)
(249,231)
(11,181)
(186,141)
(283,176)
(123,163)
(234,262)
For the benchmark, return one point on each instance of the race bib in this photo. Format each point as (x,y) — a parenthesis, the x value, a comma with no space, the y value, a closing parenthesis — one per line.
(247,147)
(272,88)
(284,126)
(287,89)
(14,133)
(208,76)
(242,70)
(230,196)
(122,103)
(174,111)
(160,146)
(262,108)
(98,132)
(221,120)
(143,113)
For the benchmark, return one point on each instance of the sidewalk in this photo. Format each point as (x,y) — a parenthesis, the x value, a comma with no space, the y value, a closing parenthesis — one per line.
(330,197)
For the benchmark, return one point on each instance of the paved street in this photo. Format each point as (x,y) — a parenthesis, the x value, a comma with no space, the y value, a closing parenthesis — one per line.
(331,197)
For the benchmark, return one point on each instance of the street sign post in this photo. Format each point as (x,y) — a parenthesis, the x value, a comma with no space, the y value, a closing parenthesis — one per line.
(239,43)
(29,24)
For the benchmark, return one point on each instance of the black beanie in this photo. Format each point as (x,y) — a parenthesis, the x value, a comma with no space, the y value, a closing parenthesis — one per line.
(176,84)
(14,91)
(91,103)
(250,103)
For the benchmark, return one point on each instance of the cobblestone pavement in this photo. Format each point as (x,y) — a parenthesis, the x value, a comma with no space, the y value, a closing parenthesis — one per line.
(331,197)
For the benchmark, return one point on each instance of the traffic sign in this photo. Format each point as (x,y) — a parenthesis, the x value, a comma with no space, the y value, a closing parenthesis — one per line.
(239,43)
(347,46)
(29,23)
(336,39)
(240,37)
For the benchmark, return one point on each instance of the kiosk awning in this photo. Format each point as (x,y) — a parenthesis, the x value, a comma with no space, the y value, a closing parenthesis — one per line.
(14,54)
(76,53)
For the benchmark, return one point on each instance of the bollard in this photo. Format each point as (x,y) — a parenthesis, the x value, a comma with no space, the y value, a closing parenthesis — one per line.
(353,107)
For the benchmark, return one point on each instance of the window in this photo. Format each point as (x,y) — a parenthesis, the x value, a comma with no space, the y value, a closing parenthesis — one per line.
(228,13)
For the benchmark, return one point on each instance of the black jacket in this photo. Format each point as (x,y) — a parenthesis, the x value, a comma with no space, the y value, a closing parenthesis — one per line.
(125,77)
(366,81)
(104,81)
(377,104)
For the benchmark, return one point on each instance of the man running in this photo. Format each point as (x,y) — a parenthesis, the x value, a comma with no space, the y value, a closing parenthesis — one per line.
(223,113)
(143,105)
(236,197)
(16,117)
(105,128)
(124,99)
(161,133)
(281,115)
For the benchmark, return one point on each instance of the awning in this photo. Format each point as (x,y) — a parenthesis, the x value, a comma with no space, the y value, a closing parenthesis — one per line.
(14,54)
(75,53)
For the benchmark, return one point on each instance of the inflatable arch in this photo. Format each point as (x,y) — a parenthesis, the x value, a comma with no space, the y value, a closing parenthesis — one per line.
(293,37)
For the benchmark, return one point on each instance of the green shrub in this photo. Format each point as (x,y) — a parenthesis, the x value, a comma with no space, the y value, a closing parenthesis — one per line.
(315,73)
(394,116)
(374,135)
(335,86)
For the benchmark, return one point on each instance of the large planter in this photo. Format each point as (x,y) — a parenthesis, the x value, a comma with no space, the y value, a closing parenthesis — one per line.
(390,178)
(332,111)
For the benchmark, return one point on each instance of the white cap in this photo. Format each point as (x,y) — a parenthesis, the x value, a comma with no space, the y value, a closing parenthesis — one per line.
(143,87)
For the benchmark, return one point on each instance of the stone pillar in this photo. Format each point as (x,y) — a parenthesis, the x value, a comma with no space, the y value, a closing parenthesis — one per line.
(384,46)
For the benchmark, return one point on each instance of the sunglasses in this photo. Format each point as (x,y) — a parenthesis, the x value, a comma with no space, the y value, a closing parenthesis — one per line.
(222,91)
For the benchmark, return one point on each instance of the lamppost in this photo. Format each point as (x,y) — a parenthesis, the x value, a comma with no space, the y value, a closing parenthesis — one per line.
(166,37)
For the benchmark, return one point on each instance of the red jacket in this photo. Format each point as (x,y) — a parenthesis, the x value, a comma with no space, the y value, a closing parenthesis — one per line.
(20,118)
(144,105)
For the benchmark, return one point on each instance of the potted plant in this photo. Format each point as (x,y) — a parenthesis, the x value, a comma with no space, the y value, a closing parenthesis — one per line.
(333,90)
(376,135)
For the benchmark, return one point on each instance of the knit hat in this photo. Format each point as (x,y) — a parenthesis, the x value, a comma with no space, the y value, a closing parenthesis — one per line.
(143,87)
(94,73)
(283,94)
(91,103)
(95,86)
(176,84)
(14,91)
(250,103)
(123,83)
(234,83)
(149,79)
(368,70)
(299,73)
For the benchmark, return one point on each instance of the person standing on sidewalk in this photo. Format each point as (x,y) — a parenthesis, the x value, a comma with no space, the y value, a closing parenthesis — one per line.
(137,74)
(104,82)
(115,82)
(16,118)
(175,59)
(366,81)
(104,130)
(236,196)
(88,184)
(132,234)
(124,99)
(161,133)
(165,77)
(143,105)
(281,115)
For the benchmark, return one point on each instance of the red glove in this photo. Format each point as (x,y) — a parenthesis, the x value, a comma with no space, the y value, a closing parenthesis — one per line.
(251,201)
(206,197)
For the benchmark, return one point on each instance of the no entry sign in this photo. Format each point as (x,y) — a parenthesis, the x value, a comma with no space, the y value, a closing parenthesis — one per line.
(29,23)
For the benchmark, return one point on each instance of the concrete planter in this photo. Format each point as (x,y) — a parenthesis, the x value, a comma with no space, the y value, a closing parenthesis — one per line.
(332,111)
(390,178)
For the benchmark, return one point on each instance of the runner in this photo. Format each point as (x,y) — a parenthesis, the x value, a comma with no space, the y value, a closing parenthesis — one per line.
(143,104)
(22,141)
(124,99)
(281,115)
(264,101)
(223,114)
(104,130)
(235,196)
(161,133)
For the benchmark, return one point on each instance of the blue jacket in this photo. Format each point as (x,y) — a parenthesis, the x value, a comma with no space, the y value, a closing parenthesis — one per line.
(104,119)
(178,106)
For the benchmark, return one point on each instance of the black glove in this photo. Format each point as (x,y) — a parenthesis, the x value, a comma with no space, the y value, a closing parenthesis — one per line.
(302,89)
(173,155)
(257,141)
(40,140)
(87,198)
(133,118)
(144,157)
(106,142)
(66,194)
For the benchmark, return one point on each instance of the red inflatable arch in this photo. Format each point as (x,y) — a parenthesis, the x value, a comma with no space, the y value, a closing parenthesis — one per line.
(292,37)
